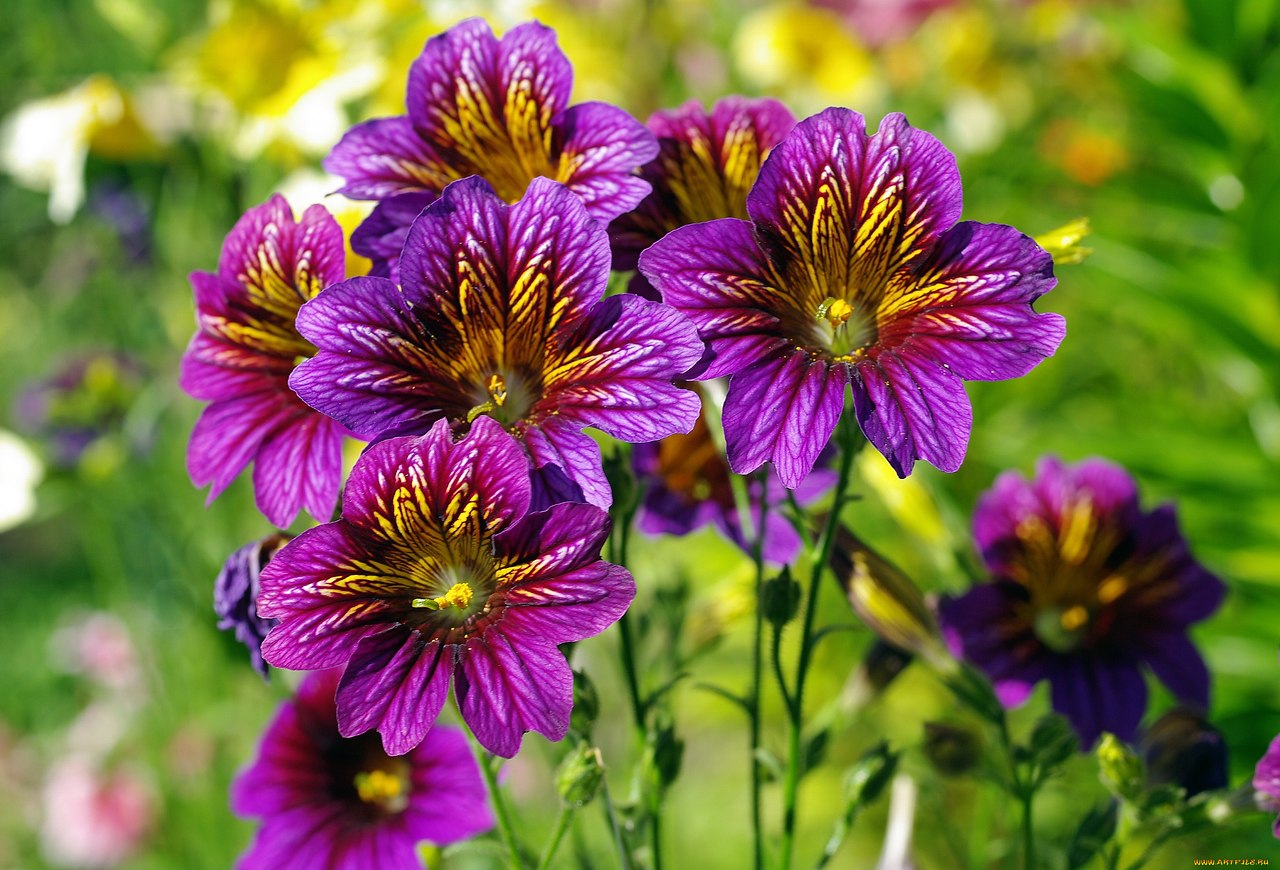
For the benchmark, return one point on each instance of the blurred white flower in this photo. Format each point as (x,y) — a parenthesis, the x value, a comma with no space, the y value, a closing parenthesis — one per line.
(20,472)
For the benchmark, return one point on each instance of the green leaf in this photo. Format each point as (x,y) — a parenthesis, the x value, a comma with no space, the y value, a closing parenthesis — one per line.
(1096,829)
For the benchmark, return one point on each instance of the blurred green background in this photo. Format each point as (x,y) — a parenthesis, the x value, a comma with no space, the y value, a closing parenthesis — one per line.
(138,131)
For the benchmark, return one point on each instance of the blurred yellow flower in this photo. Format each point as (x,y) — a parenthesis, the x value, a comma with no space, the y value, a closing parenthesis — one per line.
(44,143)
(1063,243)
(908,500)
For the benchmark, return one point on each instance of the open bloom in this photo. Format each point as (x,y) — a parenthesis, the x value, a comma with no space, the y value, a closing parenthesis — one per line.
(707,163)
(499,312)
(330,801)
(853,272)
(241,358)
(497,108)
(686,483)
(438,571)
(1086,588)
(235,596)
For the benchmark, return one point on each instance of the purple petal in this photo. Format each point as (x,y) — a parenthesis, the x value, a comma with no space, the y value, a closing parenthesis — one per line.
(449,801)
(716,275)
(784,410)
(912,409)
(600,148)
(557,442)
(229,433)
(967,305)
(851,209)
(1098,695)
(299,465)
(615,371)
(1266,777)
(571,606)
(1178,664)
(213,369)
(550,542)
(984,628)
(509,685)
(386,157)
(381,236)
(396,682)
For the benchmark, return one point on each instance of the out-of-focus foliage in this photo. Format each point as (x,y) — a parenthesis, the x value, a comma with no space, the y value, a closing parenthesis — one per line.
(138,130)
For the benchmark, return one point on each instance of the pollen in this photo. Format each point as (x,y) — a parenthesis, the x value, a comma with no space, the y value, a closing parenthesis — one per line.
(835,311)
(459,596)
(497,387)
(380,787)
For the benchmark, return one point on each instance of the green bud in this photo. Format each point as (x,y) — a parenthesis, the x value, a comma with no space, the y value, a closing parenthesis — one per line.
(1052,742)
(586,704)
(1119,769)
(870,774)
(580,775)
(780,599)
(951,749)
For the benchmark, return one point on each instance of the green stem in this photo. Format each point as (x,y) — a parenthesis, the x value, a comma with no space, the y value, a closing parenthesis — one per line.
(611,816)
(655,840)
(628,645)
(1028,836)
(567,813)
(757,667)
(500,810)
(796,708)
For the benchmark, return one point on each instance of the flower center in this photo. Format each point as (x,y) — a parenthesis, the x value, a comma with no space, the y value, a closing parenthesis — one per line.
(506,396)
(388,790)
(459,596)
(842,330)
(1063,630)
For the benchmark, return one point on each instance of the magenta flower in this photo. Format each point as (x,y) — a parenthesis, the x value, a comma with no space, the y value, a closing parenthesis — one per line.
(497,108)
(241,358)
(854,273)
(437,572)
(500,312)
(707,164)
(1086,588)
(329,801)
(235,596)
(1266,781)
(686,484)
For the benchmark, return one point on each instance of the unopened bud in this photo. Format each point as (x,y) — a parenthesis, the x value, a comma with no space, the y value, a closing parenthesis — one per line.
(1183,749)
(580,775)
(1119,769)
(951,749)
(780,599)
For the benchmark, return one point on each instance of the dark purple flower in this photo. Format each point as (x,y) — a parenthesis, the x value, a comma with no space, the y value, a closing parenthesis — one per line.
(1183,748)
(1266,782)
(1086,588)
(436,573)
(497,108)
(235,596)
(87,398)
(499,312)
(330,801)
(707,164)
(853,272)
(686,483)
(241,358)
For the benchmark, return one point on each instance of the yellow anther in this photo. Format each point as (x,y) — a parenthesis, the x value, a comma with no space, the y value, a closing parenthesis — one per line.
(1074,618)
(379,787)
(1077,532)
(1111,589)
(835,311)
(459,596)
(497,387)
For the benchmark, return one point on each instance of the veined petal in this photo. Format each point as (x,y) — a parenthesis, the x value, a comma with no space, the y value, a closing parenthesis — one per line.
(556,441)
(508,685)
(615,370)
(381,236)
(600,147)
(424,491)
(299,465)
(912,409)
(1099,695)
(783,409)
(572,606)
(386,157)
(716,275)
(554,541)
(213,369)
(840,211)
(229,432)
(443,766)
(396,682)
(967,305)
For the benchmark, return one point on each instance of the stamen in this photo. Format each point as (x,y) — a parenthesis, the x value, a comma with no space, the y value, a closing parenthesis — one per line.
(378,786)
(459,596)
(1074,618)
(497,387)
(1112,588)
(835,311)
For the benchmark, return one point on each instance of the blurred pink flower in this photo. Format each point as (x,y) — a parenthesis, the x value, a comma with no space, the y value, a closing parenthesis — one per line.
(98,645)
(881,21)
(92,819)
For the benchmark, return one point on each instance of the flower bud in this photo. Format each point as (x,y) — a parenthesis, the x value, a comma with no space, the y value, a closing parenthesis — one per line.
(780,599)
(1183,749)
(580,775)
(1119,769)
(951,749)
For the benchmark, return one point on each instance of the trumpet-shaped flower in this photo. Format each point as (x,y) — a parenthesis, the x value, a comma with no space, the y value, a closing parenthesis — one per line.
(853,272)
(1086,588)
(242,355)
(497,108)
(330,801)
(499,312)
(707,164)
(437,572)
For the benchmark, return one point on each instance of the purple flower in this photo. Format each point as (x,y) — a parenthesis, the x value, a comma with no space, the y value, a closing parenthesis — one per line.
(235,596)
(1266,781)
(499,312)
(707,163)
(853,272)
(242,355)
(329,801)
(497,108)
(1086,588)
(687,485)
(437,572)
(86,399)
(1183,748)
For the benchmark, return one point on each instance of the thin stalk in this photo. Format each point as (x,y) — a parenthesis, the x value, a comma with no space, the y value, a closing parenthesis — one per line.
(757,666)
(619,545)
(1028,836)
(611,816)
(796,707)
(565,819)
(500,810)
